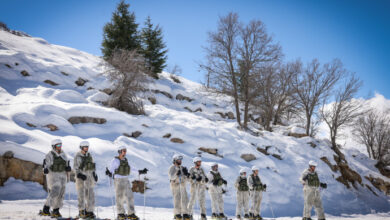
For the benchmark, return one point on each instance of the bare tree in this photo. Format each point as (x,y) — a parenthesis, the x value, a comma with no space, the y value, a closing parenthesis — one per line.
(372,130)
(126,70)
(222,60)
(255,49)
(344,110)
(314,85)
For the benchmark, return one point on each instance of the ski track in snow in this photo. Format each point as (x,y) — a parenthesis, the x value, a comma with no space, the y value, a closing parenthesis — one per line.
(29,100)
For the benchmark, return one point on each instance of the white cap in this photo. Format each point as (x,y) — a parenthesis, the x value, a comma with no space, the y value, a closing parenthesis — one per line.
(214,164)
(177,157)
(122,147)
(84,144)
(312,163)
(255,168)
(242,170)
(196,159)
(56,141)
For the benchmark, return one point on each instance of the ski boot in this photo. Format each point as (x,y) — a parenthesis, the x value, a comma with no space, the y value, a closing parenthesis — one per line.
(246,216)
(56,213)
(251,216)
(178,217)
(222,216)
(214,216)
(82,214)
(203,216)
(45,211)
(121,217)
(133,217)
(90,215)
(258,217)
(238,217)
(186,217)
(306,218)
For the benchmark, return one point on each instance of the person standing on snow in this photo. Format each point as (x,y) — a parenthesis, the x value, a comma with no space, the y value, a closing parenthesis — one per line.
(311,192)
(198,187)
(178,176)
(215,190)
(55,167)
(86,179)
(120,171)
(242,195)
(256,193)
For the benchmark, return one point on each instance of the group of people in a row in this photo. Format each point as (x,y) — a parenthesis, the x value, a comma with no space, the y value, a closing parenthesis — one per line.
(247,188)
(56,167)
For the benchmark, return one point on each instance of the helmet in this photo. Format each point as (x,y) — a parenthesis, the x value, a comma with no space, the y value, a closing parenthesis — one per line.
(177,157)
(242,170)
(55,142)
(255,168)
(196,159)
(84,144)
(120,148)
(312,163)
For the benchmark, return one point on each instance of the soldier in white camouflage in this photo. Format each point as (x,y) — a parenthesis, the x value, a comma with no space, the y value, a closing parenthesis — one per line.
(86,179)
(55,167)
(216,191)
(311,192)
(242,187)
(198,187)
(256,188)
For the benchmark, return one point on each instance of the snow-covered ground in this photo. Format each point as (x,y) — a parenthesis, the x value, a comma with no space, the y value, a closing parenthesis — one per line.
(28,99)
(26,209)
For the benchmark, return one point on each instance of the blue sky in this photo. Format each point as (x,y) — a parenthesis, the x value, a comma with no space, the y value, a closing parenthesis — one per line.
(357,32)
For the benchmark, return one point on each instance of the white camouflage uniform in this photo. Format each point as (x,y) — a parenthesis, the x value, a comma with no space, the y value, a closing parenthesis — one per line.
(85,188)
(215,192)
(312,196)
(56,181)
(198,189)
(256,197)
(242,198)
(178,188)
(123,191)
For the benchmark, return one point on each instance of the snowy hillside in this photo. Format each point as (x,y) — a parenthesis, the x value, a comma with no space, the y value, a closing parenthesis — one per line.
(31,102)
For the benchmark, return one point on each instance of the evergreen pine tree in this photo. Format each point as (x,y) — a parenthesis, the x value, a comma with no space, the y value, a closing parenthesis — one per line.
(153,48)
(121,32)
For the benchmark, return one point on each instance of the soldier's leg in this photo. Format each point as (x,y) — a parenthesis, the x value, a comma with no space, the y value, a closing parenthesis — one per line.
(184,198)
(193,191)
(176,198)
(202,199)
(80,193)
(318,205)
(213,197)
(129,197)
(119,195)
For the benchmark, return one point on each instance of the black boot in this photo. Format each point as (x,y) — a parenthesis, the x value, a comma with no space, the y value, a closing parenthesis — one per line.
(203,216)
(246,216)
(121,216)
(45,211)
(133,217)
(82,213)
(178,217)
(214,215)
(186,217)
(90,215)
(238,217)
(56,213)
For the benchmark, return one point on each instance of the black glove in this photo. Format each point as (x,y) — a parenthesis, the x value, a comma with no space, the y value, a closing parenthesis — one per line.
(223,191)
(68,169)
(45,171)
(144,171)
(81,176)
(265,186)
(108,173)
(185,172)
(199,179)
(193,177)
(224,182)
(95,176)
(215,182)
(179,172)
(323,185)
(206,179)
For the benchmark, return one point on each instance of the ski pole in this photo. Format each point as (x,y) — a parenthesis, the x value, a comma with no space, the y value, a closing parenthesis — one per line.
(144,195)
(112,199)
(269,203)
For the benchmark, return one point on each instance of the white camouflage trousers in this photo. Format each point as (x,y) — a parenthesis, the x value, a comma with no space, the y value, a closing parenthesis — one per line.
(312,198)
(56,182)
(85,191)
(124,194)
(242,202)
(197,193)
(216,199)
(180,198)
(256,197)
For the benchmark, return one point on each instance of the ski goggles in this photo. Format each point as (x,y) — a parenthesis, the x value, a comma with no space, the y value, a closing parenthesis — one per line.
(58,145)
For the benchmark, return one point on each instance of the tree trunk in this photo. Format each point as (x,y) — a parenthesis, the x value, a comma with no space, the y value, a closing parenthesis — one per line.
(308,123)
